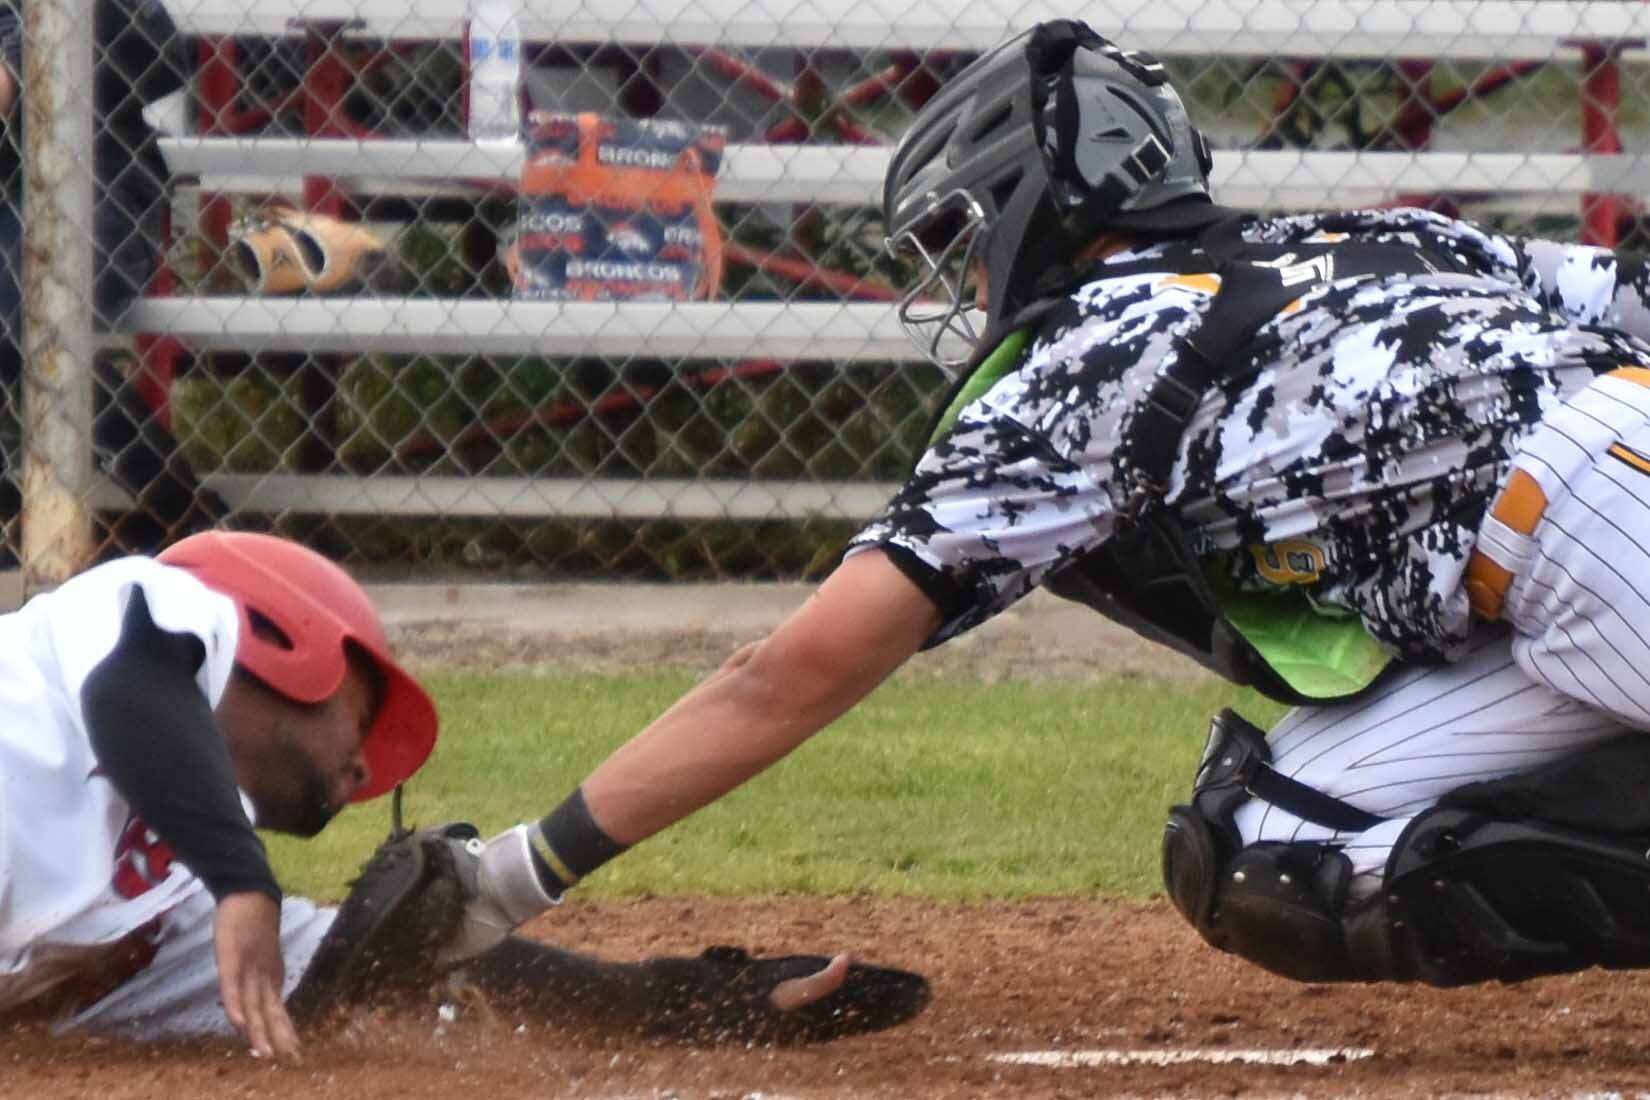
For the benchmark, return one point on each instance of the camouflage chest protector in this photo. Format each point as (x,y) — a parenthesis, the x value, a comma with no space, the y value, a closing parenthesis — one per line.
(1148,577)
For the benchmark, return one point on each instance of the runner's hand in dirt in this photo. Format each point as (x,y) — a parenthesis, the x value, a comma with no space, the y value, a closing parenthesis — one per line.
(247,937)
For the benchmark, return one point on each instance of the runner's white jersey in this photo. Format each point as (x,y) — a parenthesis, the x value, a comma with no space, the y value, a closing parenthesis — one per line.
(76,870)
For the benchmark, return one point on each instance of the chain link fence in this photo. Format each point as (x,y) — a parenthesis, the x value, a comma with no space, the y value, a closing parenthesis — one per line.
(279,286)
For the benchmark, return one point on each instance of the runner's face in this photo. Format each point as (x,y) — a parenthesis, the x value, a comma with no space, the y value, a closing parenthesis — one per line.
(300,763)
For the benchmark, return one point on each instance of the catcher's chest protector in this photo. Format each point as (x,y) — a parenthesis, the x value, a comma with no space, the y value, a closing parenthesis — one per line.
(1147,576)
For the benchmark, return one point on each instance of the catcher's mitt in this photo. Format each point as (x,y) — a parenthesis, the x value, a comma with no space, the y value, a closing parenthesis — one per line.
(406,903)
(279,250)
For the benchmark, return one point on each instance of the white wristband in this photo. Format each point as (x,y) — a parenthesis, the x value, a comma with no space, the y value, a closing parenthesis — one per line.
(508,878)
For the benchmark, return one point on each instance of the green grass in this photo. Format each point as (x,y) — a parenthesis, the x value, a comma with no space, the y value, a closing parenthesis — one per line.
(929,788)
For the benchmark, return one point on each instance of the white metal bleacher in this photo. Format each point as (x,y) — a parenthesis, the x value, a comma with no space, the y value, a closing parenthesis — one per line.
(852,174)
(1508,30)
(1505,30)
(752,173)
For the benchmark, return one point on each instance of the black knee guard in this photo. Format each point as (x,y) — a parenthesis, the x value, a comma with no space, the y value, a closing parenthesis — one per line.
(1468,895)
(1277,905)
(1471,899)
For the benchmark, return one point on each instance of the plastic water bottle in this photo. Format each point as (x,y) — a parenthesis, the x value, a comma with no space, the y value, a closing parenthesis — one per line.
(495,71)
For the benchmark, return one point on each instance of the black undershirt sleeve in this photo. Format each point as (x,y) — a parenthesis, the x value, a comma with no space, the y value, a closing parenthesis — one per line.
(157,741)
(942,590)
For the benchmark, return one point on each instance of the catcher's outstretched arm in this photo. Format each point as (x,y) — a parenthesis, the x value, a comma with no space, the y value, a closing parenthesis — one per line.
(722,995)
(862,624)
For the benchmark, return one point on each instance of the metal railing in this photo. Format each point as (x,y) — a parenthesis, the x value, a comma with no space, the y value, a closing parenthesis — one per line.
(412,405)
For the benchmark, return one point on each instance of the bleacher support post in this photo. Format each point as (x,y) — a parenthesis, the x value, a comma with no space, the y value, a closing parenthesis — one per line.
(58,257)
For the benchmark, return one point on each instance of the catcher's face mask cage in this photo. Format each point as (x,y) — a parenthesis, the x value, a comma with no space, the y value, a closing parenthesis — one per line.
(941,312)
(1051,137)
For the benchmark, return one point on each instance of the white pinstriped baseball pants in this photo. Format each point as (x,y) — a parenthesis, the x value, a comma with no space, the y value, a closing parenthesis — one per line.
(1574,667)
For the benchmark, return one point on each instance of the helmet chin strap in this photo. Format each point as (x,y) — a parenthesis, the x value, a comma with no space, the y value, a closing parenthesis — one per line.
(398,824)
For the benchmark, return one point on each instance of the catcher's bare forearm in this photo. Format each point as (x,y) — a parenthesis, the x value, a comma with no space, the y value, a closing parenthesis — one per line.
(861,625)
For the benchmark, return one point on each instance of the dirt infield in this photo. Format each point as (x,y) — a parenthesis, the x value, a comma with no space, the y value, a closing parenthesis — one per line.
(1125,985)
(1026,977)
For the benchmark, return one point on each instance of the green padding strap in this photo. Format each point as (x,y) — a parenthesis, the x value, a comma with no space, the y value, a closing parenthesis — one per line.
(1320,655)
(1003,358)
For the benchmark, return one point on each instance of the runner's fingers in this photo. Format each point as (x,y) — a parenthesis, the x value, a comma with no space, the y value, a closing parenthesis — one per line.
(257,1026)
(283,1035)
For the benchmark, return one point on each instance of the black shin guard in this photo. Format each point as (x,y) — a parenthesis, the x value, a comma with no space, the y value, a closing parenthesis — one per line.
(1471,899)
(1545,872)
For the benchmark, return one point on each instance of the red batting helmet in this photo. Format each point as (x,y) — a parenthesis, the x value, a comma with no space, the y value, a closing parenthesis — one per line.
(316,608)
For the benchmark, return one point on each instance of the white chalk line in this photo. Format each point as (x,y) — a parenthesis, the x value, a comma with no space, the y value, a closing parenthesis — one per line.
(1077,1059)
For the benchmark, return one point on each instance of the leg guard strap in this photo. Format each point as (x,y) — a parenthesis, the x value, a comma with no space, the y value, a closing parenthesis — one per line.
(1277,905)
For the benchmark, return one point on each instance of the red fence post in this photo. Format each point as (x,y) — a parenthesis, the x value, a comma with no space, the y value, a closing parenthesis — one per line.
(1600,99)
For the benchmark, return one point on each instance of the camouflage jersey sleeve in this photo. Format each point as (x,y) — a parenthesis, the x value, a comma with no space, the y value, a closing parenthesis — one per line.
(989,512)
(1590,286)
(1594,286)
(1001,502)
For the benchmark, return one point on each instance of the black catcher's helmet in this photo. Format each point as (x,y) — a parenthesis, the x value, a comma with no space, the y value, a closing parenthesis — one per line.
(1017,163)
